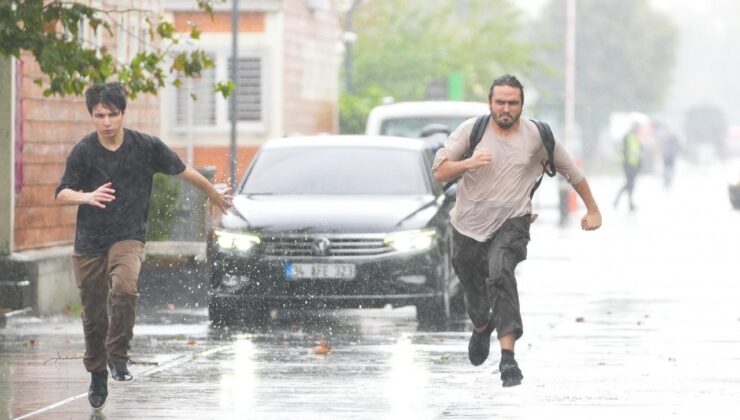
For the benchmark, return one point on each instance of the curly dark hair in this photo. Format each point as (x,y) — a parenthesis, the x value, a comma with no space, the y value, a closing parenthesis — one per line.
(507,80)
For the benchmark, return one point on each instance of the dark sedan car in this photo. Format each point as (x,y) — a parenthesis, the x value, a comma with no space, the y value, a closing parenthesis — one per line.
(334,222)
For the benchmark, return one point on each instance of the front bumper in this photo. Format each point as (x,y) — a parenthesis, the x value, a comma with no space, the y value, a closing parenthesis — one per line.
(399,279)
(734,192)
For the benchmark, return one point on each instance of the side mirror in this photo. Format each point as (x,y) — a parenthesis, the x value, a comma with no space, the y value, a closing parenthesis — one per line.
(434,128)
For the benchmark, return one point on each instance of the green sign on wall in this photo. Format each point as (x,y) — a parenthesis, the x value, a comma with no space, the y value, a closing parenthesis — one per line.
(456,86)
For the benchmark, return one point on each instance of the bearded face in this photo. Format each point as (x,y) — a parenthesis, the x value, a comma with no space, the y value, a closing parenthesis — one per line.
(506,106)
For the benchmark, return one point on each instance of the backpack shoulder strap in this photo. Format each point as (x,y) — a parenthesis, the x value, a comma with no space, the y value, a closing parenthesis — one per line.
(476,134)
(548,140)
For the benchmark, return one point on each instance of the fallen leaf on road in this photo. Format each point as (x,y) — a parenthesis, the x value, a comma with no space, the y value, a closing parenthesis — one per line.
(322,348)
(191,342)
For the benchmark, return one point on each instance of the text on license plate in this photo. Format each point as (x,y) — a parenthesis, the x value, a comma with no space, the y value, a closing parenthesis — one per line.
(319,271)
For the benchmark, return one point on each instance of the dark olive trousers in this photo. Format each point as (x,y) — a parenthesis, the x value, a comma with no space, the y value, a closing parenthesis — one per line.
(486,272)
(108,292)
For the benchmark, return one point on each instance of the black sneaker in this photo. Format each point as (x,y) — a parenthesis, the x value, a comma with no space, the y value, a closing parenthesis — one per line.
(119,371)
(511,375)
(98,391)
(480,345)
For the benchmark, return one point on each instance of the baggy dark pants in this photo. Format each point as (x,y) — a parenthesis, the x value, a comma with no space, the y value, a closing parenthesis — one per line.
(108,292)
(486,272)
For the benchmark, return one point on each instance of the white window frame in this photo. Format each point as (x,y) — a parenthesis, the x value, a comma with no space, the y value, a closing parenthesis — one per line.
(134,23)
(97,34)
(175,107)
(123,35)
(223,125)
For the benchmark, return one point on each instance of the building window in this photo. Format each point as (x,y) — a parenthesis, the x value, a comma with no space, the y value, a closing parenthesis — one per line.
(210,110)
(133,33)
(123,35)
(248,93)
(195,103)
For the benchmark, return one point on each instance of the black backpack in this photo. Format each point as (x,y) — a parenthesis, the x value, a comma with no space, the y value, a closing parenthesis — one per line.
(548,140)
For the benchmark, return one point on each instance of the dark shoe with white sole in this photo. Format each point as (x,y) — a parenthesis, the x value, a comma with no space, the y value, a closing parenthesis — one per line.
(119,371)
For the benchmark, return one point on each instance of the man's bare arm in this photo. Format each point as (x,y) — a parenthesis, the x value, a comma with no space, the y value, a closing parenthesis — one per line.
(98,198)
(592,219)
(222,200)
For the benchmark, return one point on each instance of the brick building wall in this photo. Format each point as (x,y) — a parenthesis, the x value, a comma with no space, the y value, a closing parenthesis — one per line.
(220,23)
(311,60)
(299,48)
(51,127)
(218,155)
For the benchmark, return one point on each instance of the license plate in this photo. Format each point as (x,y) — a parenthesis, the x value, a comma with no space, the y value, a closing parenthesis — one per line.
(319,271)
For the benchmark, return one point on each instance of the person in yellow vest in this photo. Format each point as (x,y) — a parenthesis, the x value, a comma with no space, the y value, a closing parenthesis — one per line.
(631,158)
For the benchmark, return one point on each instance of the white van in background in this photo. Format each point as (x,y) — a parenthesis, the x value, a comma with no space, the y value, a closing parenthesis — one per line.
(408,119)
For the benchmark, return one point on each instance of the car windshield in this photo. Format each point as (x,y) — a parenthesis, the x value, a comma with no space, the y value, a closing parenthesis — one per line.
(412,126)
(337,171)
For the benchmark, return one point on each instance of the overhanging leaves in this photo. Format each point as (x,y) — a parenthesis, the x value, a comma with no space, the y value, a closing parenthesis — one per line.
(61,35)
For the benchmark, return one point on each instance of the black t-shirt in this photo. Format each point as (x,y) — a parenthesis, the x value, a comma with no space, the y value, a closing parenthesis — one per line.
(130,169)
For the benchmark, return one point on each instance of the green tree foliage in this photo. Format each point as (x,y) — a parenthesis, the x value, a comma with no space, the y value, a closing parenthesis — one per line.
(51,31)
(354,109)
(402,46)
(625,55)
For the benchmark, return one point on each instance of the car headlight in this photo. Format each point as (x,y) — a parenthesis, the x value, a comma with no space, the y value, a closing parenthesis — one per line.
(241,242)
(734,180)
(413,240)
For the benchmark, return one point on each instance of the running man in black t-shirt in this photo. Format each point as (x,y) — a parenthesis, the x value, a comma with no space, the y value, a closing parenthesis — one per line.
(109,176)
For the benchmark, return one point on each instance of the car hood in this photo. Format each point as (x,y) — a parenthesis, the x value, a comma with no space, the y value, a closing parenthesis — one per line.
(330,214)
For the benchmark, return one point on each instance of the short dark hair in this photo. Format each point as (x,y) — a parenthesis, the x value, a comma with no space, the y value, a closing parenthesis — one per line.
(507,80)
(112,95)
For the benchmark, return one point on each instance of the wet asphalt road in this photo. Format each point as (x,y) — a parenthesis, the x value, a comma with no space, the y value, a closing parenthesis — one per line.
(637,320)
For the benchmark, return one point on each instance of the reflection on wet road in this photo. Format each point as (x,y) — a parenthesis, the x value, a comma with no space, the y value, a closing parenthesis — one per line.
(378,363)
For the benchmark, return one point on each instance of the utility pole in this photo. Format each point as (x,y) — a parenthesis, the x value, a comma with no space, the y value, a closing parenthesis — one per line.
(349,38)
(570,100)
(232,99)
(570,70)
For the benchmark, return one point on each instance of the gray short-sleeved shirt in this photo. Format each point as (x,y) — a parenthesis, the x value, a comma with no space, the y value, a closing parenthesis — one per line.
(490,195)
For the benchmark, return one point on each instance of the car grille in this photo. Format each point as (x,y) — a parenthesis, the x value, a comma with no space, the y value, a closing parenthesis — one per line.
(369,245)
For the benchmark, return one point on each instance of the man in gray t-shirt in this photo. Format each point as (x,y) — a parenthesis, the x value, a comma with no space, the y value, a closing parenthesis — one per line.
(492,215)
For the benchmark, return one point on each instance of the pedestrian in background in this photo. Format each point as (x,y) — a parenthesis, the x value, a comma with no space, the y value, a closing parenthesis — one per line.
(109,176)
(492,216)
(631,160)
(669,149)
